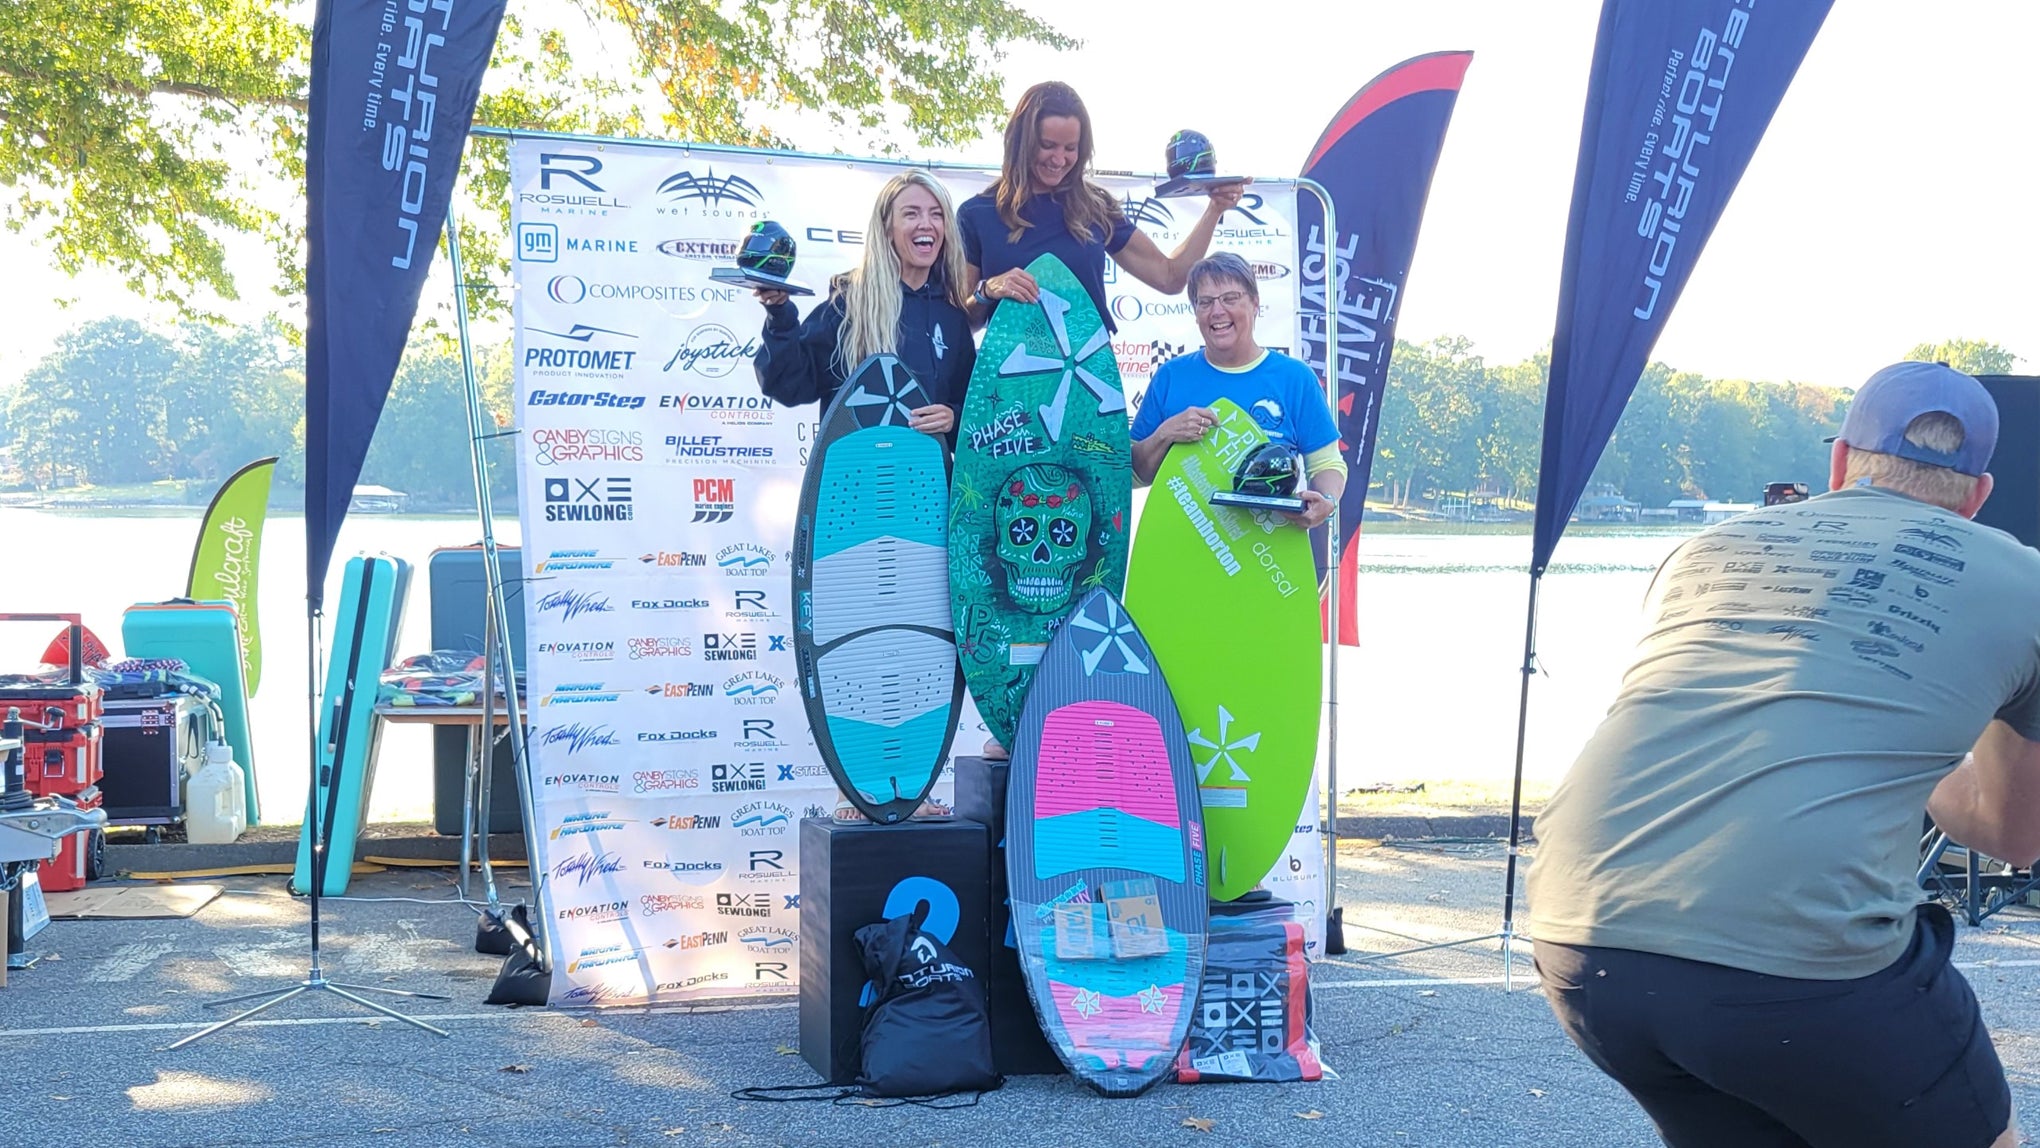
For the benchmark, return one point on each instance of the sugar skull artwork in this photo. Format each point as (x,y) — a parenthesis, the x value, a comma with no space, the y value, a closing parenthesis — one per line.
(1041,492)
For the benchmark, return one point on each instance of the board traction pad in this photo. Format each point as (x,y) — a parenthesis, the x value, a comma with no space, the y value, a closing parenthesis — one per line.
(1102,791)
(872,640)
(1228,603)
(1042,494)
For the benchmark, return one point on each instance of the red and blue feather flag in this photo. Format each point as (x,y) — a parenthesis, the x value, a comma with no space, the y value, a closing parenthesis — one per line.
(1376,160)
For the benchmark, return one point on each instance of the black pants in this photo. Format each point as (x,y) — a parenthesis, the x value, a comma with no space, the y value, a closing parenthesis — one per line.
(1726,1058)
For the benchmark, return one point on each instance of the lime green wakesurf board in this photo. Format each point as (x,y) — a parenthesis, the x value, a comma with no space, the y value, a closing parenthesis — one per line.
(1042,488)
(1227,598)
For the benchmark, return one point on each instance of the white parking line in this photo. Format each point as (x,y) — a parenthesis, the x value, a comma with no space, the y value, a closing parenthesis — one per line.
(1531,978)
(432,1018)
(1413,982)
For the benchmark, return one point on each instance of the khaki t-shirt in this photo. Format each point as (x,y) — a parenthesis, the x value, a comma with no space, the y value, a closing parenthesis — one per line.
(1754,796)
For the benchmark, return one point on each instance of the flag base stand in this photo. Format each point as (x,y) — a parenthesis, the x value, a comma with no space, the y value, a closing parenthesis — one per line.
(316,982)
(1508,934)
(321,815)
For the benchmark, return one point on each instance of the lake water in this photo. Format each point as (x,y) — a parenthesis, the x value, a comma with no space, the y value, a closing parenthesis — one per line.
(1430,695)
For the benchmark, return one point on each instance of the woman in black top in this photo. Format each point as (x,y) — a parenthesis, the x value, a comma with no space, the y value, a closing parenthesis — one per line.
(906,299)
(1044,203)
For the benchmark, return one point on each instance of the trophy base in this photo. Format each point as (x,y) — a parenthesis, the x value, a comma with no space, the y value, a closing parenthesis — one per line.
(1184,186)
(738,277)
(1277,502)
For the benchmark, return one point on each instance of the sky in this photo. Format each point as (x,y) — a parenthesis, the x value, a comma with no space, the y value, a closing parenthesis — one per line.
(1891,202)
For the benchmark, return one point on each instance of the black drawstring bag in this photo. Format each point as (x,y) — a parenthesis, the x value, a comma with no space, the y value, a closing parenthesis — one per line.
(928,1033)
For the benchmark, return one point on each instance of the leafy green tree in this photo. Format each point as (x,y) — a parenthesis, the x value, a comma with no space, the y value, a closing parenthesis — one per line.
(93,411)
(113,118)
(1643,458)
(1430,419)
(421,443)
(1973,356)
(122,122)
(248,385)
(1512,421)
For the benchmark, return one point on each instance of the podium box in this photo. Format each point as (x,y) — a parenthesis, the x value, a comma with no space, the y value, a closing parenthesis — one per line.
(855,873)
(1018,1046)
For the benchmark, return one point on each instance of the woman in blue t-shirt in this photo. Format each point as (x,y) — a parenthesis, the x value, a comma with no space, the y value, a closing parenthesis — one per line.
(1044,203)
(1280,393)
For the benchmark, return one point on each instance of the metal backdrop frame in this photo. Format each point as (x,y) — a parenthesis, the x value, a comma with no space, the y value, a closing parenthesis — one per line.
(478,435)
(497,647)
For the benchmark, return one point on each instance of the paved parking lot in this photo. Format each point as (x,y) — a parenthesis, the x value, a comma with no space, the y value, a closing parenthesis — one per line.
(1429,1049)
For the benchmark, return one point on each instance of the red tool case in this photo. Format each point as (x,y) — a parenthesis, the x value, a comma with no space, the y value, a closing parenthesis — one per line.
(62,750)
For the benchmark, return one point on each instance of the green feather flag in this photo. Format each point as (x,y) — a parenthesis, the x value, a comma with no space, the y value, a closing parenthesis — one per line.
(227,559)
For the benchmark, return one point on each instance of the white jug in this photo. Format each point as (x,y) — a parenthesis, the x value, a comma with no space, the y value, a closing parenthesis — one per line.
(215,802)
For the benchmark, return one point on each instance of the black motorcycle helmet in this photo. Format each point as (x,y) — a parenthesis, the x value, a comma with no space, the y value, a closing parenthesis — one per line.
(768,250)
(1273,469)
(1190,154)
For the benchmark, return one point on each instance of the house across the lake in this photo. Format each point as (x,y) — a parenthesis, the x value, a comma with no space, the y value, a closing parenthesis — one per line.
(1706,512)
(377,500)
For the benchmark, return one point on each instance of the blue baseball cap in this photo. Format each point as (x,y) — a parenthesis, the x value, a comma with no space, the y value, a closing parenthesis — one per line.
(1895,396)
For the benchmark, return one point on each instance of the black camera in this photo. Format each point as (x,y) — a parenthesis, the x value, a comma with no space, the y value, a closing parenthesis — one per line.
(1779,493)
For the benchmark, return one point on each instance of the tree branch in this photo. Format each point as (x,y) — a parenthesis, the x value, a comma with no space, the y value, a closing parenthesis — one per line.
(211,93)
(177,88)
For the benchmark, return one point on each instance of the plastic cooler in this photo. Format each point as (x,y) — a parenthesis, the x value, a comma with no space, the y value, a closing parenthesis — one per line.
(457,580)
(207,635)
(457,584)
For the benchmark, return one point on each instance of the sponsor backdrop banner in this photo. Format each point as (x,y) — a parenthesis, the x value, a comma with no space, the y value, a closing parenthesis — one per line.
(1680,94)
(670,753)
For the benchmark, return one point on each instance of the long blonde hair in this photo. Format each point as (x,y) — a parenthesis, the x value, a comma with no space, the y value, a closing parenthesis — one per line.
(1089,211)
(871,292)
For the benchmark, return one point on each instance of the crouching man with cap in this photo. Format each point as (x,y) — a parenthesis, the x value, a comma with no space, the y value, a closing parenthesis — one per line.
(1724,900)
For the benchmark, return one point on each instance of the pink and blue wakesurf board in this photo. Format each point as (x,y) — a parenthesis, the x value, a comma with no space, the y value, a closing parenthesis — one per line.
(1105,854)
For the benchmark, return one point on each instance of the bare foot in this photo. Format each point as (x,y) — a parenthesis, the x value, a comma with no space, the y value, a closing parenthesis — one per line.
(993,750)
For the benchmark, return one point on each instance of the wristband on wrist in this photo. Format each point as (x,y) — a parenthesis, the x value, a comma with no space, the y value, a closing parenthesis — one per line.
(980,295)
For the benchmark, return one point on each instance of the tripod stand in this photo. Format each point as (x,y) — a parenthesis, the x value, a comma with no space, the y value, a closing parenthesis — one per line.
(321,821)
(1507,936)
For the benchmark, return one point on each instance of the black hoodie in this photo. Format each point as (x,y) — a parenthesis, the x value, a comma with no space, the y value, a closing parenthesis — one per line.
(797,361)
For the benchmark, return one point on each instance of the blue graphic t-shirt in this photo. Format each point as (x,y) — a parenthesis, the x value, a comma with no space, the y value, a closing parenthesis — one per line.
(986,247)
(1281,393)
